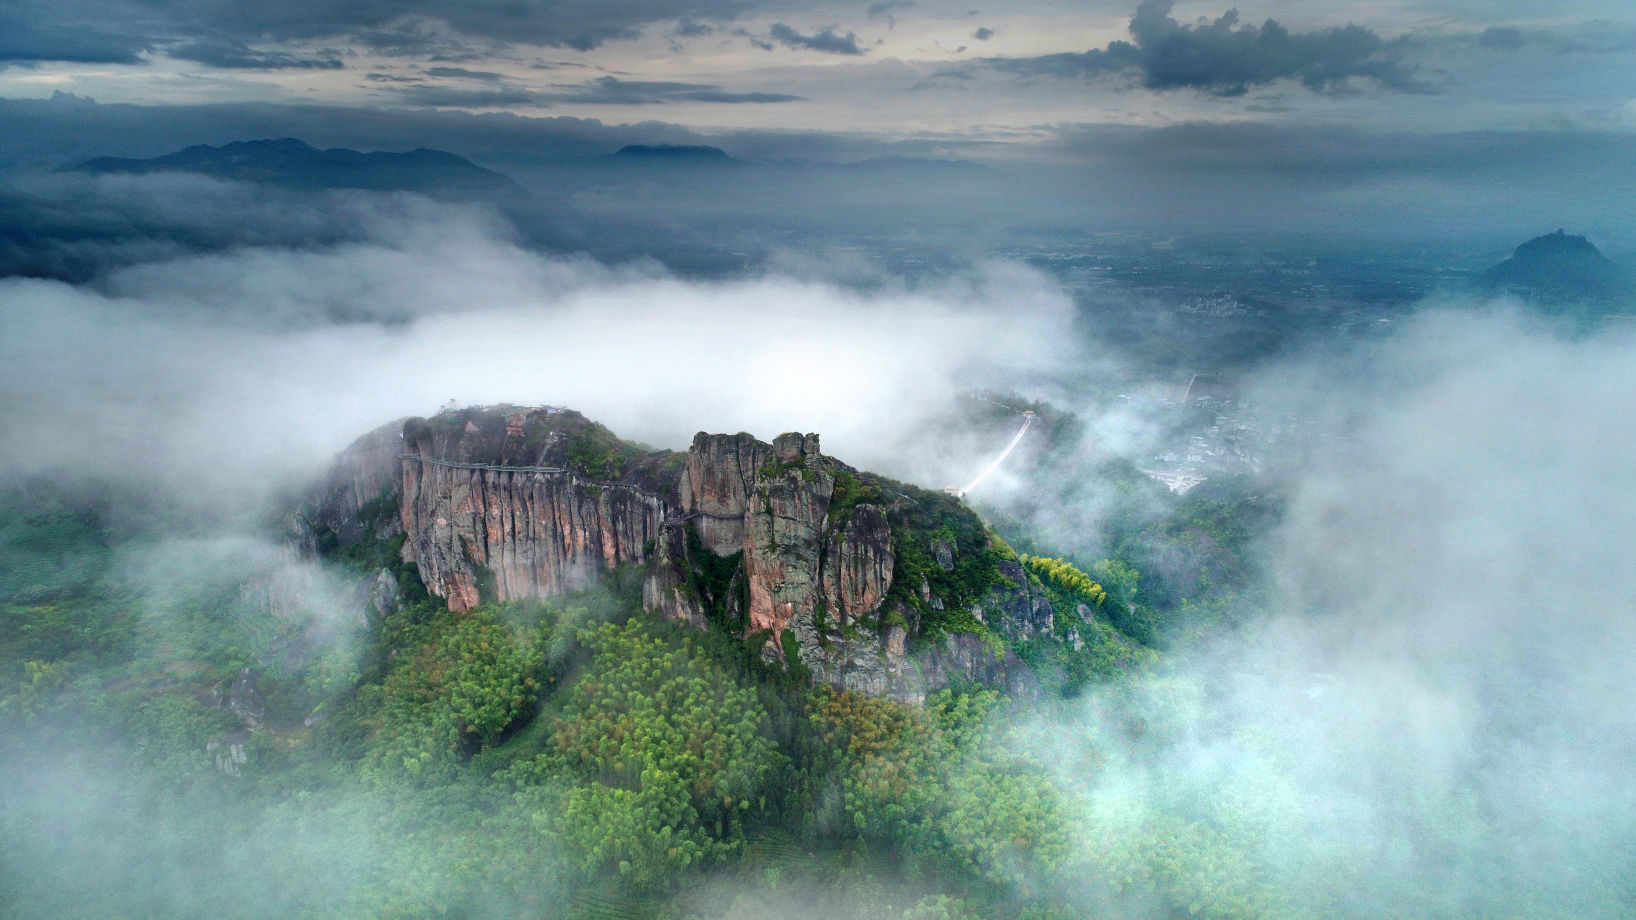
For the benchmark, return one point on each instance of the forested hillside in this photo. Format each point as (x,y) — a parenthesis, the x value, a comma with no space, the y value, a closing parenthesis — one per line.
(351,746)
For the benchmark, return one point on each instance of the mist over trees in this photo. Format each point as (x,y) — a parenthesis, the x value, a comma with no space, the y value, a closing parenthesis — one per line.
(1320,520)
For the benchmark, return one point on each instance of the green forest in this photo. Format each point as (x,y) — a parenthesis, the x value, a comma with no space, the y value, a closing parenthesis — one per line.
(576,758)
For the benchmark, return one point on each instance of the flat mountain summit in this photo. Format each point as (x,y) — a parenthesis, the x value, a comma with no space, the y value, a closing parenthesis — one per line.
(672,154)
(852,579)
(297,164)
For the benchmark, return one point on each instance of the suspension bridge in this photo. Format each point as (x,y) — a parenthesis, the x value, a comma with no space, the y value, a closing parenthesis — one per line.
(1028,420)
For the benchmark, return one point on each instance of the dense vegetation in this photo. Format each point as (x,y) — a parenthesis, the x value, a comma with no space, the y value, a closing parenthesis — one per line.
(577,758)
(1174,567)
(927,526)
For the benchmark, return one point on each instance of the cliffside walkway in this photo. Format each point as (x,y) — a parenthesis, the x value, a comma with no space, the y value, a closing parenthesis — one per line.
(484,466)
(555,470)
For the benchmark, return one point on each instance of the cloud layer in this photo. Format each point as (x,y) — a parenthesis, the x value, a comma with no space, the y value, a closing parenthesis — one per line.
(221,32)
(1429,716)
(226,373)
(1227,58)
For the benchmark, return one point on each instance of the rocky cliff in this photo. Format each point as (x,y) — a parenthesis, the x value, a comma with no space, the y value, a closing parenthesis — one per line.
(867,583)
(524,504)
(363,472)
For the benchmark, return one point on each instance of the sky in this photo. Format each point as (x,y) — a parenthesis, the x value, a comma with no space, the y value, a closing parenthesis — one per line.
(1487,120)
(1445,588)
(1430,118)
(1016,78)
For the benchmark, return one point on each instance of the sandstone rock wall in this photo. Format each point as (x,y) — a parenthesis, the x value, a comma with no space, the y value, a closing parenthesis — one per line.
(525,533)
(501,503)
(857,565)
(719,486)
(784,530)
(363,472)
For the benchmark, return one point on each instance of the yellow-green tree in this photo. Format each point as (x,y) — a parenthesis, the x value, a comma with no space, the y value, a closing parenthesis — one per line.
(932,783)
(664,756)
(466,678)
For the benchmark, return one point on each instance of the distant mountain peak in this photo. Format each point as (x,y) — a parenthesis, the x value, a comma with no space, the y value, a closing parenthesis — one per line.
(292,162)
(673,153)
(283,143)
(1558,269)
(1552,244)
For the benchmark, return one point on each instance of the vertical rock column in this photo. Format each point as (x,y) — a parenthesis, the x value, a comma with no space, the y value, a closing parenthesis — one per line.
(783,533)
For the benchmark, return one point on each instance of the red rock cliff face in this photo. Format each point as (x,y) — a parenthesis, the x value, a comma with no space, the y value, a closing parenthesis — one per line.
(783,537)
(537,534)
(505,512)
(514,504)
(719,486)
(771,502)
(857,565)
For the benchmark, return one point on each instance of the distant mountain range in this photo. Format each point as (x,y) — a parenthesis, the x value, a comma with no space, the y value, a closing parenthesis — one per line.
(293,163)
(1558,270)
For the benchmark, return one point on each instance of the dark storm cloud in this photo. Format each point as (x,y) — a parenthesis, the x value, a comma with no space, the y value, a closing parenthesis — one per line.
(754,39)
(28,43)
(581,26)
(419,38)
(543,22)
(234,55)
(825,39)
(122,30)
(887,7)
(1226,58)
(687,28)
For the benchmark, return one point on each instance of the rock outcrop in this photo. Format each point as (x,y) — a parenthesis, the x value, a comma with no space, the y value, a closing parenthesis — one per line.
(866,583)
(494,507)
(718,486)
(362,473)
(857,565)
(784,530)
